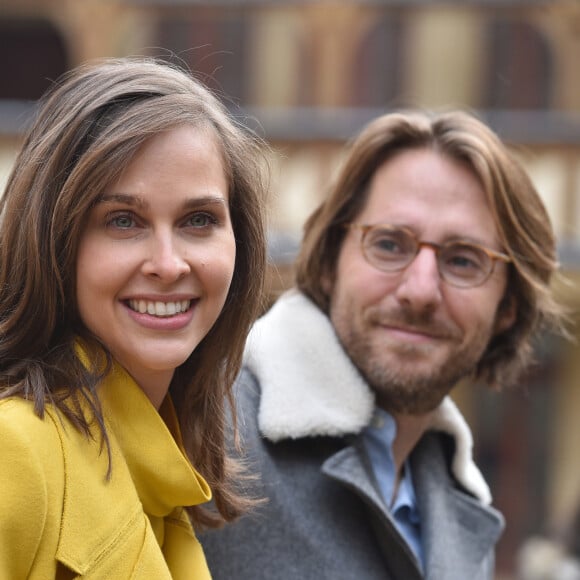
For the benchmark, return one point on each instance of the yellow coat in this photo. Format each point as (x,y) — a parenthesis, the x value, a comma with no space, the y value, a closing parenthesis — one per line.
(61,518)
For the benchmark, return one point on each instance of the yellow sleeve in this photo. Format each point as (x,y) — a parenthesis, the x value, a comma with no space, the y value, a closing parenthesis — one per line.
(23,495)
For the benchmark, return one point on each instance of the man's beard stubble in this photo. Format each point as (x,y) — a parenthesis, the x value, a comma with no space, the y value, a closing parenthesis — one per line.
(400,387)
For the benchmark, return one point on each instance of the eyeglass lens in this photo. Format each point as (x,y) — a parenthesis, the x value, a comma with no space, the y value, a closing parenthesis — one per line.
(459,263)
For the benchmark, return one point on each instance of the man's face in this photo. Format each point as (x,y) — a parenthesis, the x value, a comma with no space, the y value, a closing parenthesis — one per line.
(411,334)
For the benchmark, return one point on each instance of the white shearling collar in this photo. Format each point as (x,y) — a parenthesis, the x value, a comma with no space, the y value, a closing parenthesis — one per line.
(310,387)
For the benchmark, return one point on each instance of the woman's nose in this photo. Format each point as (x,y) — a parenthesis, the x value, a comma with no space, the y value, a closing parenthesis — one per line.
(165,260)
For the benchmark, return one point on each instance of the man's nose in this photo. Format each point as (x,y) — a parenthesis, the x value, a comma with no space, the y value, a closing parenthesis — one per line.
(420,283)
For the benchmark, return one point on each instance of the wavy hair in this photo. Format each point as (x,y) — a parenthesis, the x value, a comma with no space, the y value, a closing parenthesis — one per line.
(87,128)
(520,216)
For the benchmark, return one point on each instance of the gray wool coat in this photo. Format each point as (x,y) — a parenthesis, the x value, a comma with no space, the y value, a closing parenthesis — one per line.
(301,409)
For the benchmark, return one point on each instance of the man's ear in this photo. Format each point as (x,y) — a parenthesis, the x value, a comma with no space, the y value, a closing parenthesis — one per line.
(506,314)
(326,284)
(327,280)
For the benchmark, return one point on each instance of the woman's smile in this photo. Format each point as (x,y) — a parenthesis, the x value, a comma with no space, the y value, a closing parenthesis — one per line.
(158,307)
(162,316)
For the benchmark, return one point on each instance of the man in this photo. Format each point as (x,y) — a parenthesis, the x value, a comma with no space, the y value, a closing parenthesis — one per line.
(429,262)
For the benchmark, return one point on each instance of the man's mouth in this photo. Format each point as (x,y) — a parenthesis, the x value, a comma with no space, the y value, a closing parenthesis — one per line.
(416,330)
(433,330)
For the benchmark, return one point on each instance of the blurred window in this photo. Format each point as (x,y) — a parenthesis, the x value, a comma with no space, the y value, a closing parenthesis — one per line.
(212,44)
(377,73)
(520,68)
(32,55)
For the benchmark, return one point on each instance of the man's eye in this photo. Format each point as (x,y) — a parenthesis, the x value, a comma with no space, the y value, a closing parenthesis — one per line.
(390,244)
(385,244)
(461,262)
(465,259)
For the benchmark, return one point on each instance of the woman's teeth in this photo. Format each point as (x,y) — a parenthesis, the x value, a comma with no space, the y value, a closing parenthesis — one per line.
(159,308)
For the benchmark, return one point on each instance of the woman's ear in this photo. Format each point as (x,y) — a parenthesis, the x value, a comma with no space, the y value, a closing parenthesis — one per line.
(506,314)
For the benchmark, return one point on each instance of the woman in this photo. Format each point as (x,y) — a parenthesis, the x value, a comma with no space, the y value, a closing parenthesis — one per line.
(131,263)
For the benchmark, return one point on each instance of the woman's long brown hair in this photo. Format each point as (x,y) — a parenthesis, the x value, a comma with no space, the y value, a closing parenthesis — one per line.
(87,128)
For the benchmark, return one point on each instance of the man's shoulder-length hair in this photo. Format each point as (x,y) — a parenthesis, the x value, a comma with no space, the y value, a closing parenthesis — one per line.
(522,222)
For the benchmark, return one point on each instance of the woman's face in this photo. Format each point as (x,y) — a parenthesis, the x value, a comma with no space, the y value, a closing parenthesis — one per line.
(157,257)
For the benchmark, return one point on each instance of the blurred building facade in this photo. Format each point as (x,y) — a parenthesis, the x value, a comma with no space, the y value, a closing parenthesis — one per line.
(307,75)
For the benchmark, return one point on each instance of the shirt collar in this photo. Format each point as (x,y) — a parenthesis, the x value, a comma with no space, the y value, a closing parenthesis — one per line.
(378,437)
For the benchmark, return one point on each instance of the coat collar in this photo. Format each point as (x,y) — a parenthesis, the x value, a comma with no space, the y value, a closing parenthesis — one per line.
(163,476)
(311,388)
(150,472)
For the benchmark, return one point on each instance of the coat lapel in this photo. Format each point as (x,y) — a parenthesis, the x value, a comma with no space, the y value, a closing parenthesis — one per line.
(93,506)
(458,531)
(349,467)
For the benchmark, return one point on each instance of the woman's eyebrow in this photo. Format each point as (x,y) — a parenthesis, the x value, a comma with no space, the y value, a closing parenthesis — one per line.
(137,201)
(195,202)
(124,198)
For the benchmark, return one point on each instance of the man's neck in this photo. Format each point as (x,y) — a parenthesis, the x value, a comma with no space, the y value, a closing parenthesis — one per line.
(410,428)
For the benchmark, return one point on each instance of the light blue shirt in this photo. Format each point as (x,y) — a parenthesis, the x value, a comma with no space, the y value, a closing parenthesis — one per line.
(378,439)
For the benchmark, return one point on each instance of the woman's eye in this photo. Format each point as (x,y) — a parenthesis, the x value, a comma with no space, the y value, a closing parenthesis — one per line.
(201,220)
(122,221)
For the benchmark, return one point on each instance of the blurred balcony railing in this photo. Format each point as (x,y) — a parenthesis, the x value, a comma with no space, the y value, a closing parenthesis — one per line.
(531,127)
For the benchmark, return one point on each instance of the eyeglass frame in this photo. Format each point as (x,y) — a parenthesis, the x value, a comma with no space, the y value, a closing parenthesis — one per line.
(493,255)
